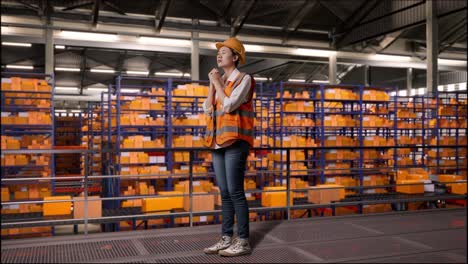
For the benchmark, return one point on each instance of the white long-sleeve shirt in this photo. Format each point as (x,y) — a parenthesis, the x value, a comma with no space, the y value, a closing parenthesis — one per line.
(239,96)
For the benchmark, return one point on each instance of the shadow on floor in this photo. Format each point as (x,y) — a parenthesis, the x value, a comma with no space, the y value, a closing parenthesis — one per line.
(258,234)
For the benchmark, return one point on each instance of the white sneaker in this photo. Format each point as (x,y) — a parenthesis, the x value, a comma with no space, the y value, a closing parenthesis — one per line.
(223,243)
(240,246)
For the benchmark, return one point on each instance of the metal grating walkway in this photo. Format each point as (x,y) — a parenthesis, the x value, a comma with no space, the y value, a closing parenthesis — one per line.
(437,236)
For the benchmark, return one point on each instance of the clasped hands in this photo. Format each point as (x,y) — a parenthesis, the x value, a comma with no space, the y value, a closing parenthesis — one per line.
(215,80)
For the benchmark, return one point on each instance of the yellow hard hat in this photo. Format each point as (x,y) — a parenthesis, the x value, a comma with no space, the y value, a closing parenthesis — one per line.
(234,44)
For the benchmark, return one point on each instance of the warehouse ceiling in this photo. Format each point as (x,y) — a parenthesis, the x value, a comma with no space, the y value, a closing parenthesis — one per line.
(339,24)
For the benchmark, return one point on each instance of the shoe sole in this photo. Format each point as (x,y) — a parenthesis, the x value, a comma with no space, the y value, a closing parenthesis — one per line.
(234,255)
(213,252)
(210,252)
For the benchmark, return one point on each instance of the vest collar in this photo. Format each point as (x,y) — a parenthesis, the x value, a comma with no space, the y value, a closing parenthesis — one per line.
(235,73)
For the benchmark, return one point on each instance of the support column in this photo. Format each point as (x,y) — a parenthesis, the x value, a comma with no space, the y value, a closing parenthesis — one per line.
(195,57)
(367,75)
(49,51)
(332,69)
(432,50)
(409,80)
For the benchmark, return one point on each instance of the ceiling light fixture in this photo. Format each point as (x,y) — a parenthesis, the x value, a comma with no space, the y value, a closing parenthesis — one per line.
(88,36)
(65,88)
(165,41)
(67,69)
(17,44)
(314,52)
(385,57)
(129,90)
(97,89)
(137,72)
(25,67)
(102,71)
(320,81)
(296,80)
(175,74)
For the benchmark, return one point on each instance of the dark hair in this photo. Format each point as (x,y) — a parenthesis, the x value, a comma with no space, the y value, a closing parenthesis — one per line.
(234,53)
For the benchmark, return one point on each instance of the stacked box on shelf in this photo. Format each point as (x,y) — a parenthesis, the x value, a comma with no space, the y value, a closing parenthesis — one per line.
(188,125)
(137,123)
(408,113)
(377,134)
(27,124)
(448,128)
(338,123)
(294,125)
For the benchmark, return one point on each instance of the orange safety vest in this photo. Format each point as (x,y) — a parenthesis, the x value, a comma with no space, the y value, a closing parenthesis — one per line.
(225,128)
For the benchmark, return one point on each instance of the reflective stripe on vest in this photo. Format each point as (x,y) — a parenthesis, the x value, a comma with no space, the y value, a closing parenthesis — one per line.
(231,129)
(244,113)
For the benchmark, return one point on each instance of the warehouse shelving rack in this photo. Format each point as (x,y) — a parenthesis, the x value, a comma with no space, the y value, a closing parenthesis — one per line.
(280,130)
(12,102)
(48,130)
(107,110)
(263,101)
(185,106)
(325,107)
(175,106)
(378,166)
(416,106)
(91,140)
(68,132)
(68,126)
(453,125)
(118,130)
(92,132)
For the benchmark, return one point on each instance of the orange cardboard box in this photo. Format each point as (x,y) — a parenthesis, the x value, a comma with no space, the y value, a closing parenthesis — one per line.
(200,202)
(410,189)
(21,195)
(5,194)
(458,188)
(319,195)
(94,207)
(274,199)
(59,208)
(449,178)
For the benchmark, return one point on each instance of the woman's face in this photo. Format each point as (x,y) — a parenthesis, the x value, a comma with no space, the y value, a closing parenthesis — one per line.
(225,57)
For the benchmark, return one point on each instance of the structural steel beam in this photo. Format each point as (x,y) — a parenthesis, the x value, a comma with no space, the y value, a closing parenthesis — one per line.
(345,28)
(71,7)
(49,52)
(432,51)
(220,16)
(160,14)
(95,16)
(83,69)
(406,14)
(301,13)
(239,22)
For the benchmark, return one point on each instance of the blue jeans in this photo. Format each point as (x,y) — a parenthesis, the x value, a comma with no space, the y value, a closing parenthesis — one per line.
(229,165)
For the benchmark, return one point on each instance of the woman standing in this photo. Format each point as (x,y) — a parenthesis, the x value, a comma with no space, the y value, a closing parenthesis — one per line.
(230,133)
